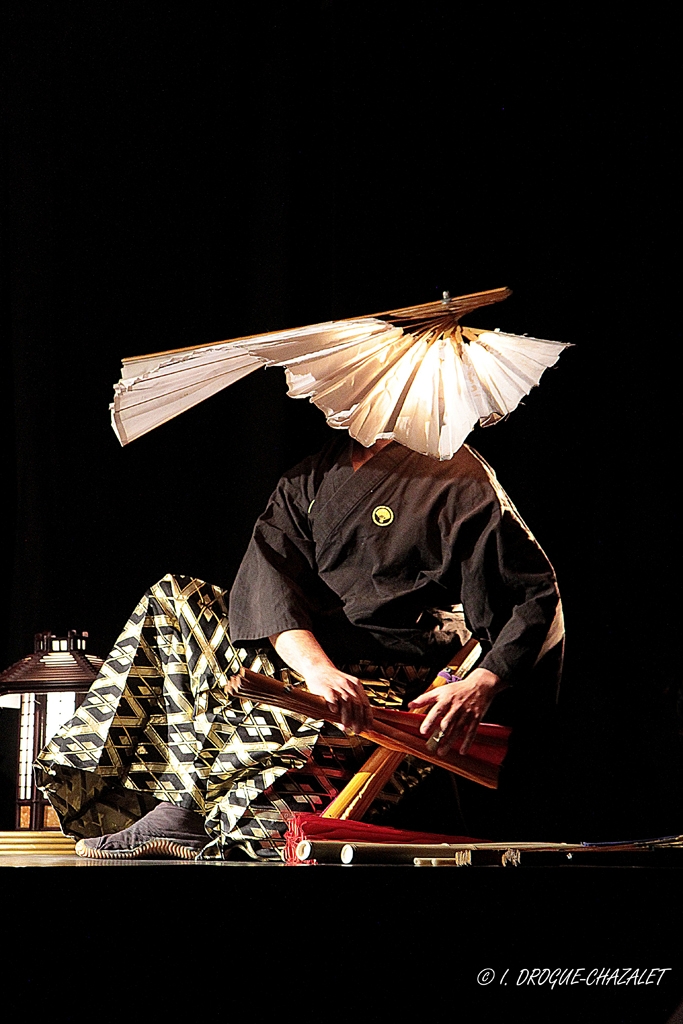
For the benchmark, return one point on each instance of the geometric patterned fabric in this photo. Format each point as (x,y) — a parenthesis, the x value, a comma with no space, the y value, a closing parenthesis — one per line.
(158,725)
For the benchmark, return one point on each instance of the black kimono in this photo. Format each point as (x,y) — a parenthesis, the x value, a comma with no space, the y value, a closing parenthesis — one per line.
(373,563)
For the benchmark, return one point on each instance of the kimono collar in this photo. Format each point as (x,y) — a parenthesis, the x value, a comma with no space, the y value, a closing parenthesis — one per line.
(336,500)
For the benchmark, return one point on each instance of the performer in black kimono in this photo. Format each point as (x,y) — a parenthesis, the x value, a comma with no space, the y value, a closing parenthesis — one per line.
(370,564)
(362,555)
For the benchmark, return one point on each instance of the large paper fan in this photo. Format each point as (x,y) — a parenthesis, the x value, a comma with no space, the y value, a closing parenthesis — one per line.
(413,375)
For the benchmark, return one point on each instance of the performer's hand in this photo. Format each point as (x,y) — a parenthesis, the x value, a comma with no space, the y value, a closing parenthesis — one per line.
(454,711)
(344,693)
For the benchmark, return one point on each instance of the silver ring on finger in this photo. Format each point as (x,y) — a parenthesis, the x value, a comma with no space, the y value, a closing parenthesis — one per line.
(434,740)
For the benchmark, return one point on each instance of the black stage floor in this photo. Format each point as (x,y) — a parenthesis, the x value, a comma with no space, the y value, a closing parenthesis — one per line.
(381,942)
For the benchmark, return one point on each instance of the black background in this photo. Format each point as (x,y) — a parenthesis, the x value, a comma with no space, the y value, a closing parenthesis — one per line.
(178,175)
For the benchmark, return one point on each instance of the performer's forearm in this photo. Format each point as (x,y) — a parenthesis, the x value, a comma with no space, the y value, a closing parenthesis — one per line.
(302,652)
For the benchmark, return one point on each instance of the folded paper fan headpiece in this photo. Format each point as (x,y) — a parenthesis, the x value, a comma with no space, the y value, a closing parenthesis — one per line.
(414,375)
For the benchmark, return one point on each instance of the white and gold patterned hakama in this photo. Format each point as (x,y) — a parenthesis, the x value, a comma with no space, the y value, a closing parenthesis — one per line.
(157,725)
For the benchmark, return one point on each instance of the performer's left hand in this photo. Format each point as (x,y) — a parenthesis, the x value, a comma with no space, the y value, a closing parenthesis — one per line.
(453,711)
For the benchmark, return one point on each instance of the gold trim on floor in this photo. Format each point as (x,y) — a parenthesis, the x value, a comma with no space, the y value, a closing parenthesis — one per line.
(35,842)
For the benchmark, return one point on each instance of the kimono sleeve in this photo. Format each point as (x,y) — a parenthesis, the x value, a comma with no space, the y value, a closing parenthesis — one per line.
(277,586)
(509,591)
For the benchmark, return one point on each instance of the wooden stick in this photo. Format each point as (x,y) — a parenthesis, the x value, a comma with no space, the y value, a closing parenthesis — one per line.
(351,803)
(446,850)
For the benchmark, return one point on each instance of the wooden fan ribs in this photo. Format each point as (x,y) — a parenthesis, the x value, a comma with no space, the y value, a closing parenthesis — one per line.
(389,728)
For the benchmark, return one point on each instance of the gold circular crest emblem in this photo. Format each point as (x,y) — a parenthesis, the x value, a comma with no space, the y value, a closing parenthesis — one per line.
(382,515)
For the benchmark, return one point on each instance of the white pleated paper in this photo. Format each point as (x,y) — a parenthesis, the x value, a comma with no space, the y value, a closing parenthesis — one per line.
(424,386)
